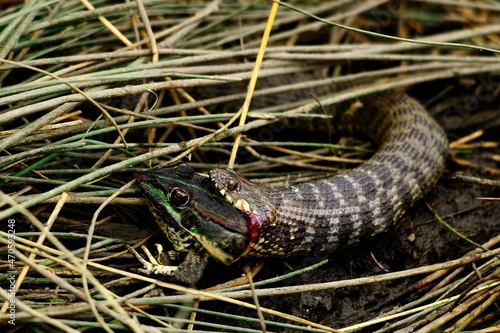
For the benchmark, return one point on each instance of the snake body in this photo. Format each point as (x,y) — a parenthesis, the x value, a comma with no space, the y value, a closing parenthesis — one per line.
(341,210)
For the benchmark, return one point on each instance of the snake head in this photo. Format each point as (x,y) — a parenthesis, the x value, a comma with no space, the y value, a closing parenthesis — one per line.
(246,196)
(192,214)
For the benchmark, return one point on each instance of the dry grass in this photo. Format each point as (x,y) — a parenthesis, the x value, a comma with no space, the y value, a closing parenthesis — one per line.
(90,97)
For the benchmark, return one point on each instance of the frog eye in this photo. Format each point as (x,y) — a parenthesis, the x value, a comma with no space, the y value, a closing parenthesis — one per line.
(178,197)
(232,184)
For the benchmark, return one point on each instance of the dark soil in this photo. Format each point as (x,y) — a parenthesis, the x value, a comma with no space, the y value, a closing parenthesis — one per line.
(418,239)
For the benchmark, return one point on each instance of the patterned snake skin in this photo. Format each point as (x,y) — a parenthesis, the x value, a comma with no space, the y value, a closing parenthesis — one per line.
(346,208)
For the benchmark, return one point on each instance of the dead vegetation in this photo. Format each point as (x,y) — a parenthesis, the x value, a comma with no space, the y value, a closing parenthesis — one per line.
(90,96)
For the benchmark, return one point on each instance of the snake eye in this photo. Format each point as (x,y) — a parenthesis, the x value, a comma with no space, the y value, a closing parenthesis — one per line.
(178,197)
(232,184)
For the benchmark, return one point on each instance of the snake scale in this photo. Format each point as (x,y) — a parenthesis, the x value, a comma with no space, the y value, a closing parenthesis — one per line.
(228,217)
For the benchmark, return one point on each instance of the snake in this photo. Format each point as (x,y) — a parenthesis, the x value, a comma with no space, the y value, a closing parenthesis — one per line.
(227,217)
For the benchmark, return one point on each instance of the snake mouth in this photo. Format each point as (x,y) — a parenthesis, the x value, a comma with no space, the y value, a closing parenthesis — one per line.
(240,204)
